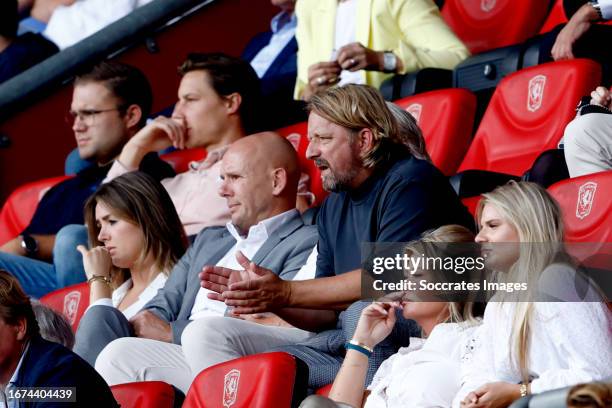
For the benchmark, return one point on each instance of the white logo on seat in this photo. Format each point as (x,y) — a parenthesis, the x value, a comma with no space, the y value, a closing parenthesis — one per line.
(295,138)
(586,196)
(230,387)
(536,92)
(487,5)
(415,110)
(71,305)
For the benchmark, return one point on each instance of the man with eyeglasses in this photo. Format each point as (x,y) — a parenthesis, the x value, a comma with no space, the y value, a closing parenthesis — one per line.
(110,104)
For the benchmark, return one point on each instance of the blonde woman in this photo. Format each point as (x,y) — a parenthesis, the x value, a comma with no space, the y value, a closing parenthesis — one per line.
(530,347)
(405,379)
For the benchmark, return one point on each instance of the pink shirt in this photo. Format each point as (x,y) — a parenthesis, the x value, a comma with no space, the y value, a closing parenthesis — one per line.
(194,193)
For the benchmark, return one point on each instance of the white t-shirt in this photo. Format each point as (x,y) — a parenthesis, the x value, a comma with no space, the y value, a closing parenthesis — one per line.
(346,33)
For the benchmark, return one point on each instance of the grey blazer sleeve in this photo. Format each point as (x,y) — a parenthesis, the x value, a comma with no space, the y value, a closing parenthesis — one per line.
(302,242)
(169,299)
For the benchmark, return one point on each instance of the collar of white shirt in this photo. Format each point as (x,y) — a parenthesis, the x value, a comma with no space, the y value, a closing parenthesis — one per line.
(16,372)
(157,283)
(264,228)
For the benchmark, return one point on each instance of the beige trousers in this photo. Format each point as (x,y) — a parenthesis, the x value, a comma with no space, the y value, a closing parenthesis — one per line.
(205,342)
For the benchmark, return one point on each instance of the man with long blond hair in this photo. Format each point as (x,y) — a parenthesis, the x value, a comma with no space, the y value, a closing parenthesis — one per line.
(379,193)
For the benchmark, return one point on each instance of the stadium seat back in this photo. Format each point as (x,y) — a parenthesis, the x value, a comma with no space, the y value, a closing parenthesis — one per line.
(556,16)
(528,114)
(586,206)
(324,391)
(487,24)
(146,394)
(20,206)
(298,136)
(71,301)
(180,159)
(446,118)
(256,381)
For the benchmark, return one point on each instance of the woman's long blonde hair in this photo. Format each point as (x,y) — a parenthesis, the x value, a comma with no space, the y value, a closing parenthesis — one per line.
(430,245)
(536,216)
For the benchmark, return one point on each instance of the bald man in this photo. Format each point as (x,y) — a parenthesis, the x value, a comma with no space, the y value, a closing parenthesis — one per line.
(259,181)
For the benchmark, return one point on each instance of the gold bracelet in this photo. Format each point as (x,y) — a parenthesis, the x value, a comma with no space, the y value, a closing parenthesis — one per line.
(524,390)
(356,343)
(102,278)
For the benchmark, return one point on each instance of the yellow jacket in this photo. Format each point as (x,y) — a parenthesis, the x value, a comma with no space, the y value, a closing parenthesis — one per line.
(412,29)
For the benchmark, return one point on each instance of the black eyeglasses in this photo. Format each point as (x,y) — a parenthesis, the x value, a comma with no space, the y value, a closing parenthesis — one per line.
(87,116)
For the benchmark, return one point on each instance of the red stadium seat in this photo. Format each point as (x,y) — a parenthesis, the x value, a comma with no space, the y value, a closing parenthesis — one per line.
(180,159)
(20,206)
(324,391)
(298,136)
(71,301)
(446,118)
(471,203)
(487,24)
(257,381)
(147,394)
(587,208)
(557,16)
(527,115)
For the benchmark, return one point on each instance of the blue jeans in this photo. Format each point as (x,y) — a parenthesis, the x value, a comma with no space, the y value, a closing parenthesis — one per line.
(38,277)
(67,260)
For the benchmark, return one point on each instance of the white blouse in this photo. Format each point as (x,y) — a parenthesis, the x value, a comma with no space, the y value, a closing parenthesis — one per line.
(147,294)
(427,373)
(571,343)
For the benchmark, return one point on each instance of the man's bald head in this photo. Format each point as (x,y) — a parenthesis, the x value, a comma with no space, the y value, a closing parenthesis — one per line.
(267,151)
(260,177)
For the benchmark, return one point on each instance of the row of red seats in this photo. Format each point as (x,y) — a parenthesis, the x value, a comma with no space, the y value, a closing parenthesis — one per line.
(484,25)
(526,116)
(259,381)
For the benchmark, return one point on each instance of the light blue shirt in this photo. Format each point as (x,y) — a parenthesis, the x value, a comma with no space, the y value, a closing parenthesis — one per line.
(13,403)
(283,30)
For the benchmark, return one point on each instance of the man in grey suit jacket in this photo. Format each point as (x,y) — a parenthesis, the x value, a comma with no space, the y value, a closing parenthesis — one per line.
(260,176)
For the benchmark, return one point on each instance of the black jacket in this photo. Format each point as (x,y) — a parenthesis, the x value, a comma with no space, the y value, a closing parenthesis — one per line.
(48,364)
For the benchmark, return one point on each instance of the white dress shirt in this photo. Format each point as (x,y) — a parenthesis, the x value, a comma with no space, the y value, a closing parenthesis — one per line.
(606,9)
(249,245)
(118,294)
(309,269)
(13,403)
(283,30)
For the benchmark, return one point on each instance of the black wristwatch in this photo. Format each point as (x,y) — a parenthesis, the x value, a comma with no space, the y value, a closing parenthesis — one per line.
(29,244)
